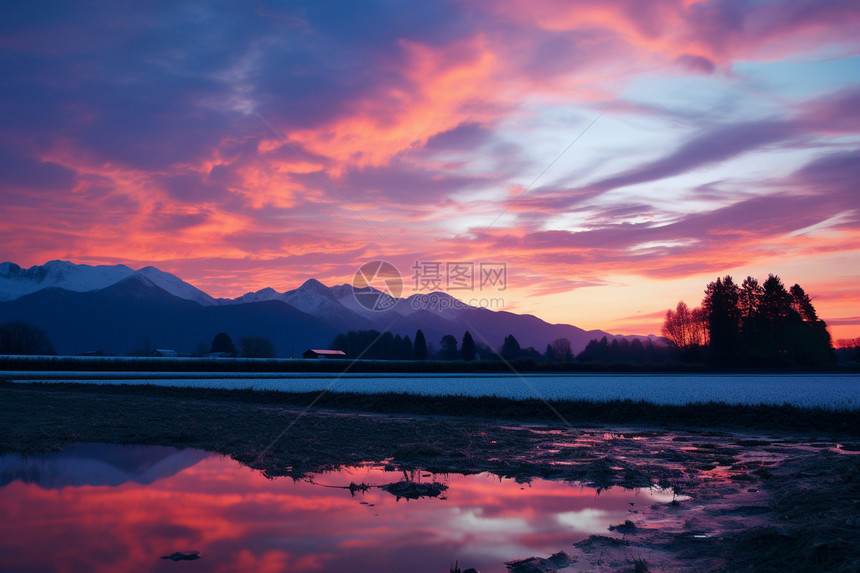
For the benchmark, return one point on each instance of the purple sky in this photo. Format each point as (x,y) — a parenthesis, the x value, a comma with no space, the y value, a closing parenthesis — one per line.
(616,155)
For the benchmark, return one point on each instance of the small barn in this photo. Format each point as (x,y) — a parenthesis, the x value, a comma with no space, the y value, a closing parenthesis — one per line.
(165,352)
(317,353)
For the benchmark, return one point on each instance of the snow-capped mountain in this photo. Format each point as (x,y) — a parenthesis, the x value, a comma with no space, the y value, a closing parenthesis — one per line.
(312,297)
(261,295)
(85,308)
(16,282)
(176,286)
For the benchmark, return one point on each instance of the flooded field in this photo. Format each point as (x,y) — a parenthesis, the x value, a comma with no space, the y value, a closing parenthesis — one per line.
(115,478)
(100,507)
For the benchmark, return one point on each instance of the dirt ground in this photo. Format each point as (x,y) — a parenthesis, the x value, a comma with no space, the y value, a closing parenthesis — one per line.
(745,501)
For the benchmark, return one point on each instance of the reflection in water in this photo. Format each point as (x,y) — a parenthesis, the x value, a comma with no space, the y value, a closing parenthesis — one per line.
(98,464)
(240,521)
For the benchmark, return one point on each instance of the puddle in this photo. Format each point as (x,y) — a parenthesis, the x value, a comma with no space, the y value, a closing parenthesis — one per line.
(97,508)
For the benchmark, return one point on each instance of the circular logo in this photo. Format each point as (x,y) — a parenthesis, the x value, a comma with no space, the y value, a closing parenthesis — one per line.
(377,285)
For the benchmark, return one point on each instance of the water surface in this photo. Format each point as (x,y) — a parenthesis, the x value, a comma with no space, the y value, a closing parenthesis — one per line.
(96,507)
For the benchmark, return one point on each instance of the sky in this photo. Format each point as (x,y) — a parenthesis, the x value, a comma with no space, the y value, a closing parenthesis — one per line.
(614,156)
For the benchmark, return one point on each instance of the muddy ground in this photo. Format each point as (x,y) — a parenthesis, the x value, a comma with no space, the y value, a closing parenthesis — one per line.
(746,500)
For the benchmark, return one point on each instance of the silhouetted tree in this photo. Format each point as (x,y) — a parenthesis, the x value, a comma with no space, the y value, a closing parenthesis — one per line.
(20,337)
(340,342)
(686,330)
(677,326)
(370,344)
(467,348)
(721,304)
(589,353)
(407,350)
(764,325)
(802,304)
(637,351)
(623,350)
(257,347)
(386,348)
(223,343)
(603,349)
(510,348)
(750,298)
(775,306)
(448,350)
(561,349)
(420,346)
(549,354)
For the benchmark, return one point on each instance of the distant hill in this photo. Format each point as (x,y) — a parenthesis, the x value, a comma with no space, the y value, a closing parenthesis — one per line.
(135,313)
(117,310)
(98,465)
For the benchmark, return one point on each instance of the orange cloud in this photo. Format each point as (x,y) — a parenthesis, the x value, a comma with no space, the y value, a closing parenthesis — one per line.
(440,88)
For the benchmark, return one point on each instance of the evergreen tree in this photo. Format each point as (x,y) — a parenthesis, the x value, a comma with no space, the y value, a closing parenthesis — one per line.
(420,346)
(510,348)
(467,348)
(750,298)
(775,307)
(722,305)
(341,342)
(365,344)
(802,304)
(637,351)
(385,347)
(603,350)
(408,351)
(768,325)
(589,354)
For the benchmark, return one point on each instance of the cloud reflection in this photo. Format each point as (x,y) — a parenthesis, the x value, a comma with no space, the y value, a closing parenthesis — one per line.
(242,521)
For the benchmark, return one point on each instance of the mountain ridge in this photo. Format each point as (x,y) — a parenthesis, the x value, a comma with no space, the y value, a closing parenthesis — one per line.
(81,313)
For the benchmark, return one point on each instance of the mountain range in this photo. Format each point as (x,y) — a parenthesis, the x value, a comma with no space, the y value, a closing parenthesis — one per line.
(93,464)
(117,310)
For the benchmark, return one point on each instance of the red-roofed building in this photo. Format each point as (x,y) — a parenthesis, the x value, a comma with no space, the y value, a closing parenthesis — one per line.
(316,353)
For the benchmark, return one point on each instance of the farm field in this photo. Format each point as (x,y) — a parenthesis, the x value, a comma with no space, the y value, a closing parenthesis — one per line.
(828,391)
(734,498)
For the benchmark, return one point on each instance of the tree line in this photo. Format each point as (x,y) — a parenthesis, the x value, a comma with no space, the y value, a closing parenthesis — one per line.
(371,344)
(751,324)
(375,345)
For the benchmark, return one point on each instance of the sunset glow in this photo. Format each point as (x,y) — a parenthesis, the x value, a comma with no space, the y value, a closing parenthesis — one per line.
(238,520)
(616,155)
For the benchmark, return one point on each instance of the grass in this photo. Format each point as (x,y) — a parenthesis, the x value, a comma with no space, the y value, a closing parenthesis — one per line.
(710,415)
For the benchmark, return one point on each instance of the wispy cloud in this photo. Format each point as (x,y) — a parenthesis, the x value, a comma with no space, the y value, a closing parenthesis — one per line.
(133,134)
